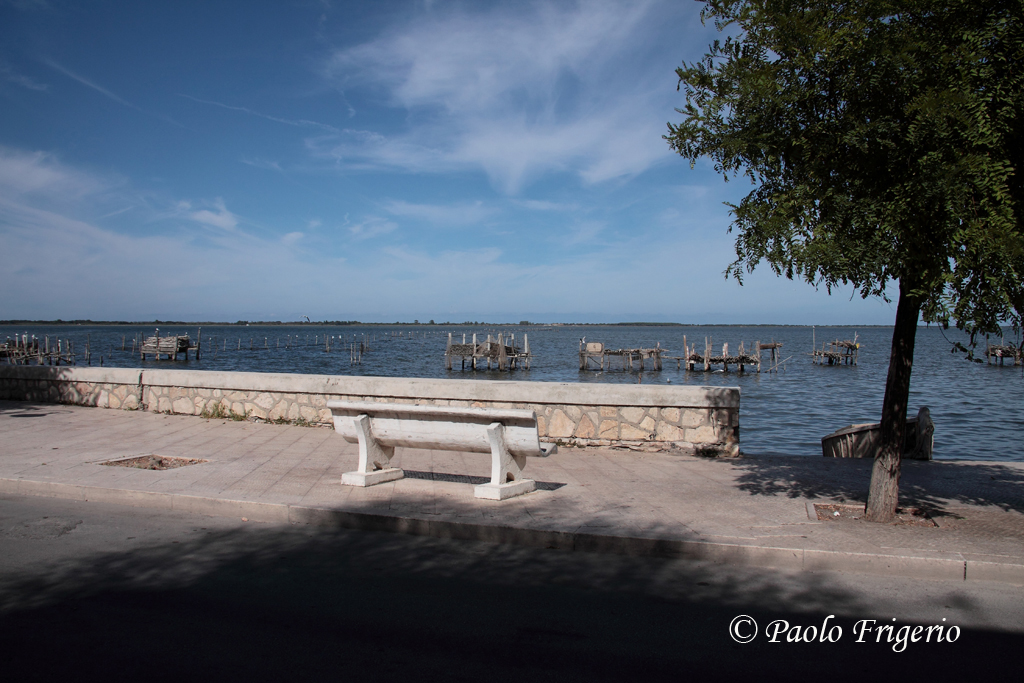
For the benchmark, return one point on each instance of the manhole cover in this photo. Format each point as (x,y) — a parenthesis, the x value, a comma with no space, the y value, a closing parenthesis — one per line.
(154,462)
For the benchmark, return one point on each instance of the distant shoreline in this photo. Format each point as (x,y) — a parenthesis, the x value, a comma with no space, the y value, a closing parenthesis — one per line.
(356,323)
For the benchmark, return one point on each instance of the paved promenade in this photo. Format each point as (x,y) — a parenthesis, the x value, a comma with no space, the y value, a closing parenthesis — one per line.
(751,510)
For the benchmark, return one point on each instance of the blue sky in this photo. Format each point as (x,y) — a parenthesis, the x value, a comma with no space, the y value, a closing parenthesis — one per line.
(374,161)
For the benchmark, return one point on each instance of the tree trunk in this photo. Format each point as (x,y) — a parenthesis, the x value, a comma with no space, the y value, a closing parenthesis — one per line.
(885,475)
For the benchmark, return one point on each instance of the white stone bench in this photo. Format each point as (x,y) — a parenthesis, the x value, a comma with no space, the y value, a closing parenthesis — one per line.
(508,435)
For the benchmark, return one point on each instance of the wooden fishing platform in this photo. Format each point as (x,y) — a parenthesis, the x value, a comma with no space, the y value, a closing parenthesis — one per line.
(1002,352)
(500,353)
(594,353)
(837,352)
(25,350)
(170,346)
(708,361)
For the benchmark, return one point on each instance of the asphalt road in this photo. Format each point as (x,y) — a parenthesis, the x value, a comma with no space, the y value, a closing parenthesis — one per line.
(91,590)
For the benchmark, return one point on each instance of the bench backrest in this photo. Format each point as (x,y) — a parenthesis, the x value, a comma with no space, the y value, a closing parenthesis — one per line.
(438,427)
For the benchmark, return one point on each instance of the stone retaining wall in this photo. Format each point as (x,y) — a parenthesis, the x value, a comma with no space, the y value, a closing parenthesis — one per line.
(687,418)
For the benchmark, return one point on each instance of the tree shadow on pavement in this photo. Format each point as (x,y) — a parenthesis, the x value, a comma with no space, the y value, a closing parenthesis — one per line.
(934,485)
(289,603)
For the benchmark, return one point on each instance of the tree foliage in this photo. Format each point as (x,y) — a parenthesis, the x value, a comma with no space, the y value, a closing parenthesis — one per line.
(884,141)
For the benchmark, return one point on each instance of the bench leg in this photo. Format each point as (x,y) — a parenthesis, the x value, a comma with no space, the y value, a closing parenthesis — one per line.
(506,470)
(374,459)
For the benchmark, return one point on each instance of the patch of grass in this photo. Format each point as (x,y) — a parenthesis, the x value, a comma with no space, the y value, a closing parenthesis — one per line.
(216,413)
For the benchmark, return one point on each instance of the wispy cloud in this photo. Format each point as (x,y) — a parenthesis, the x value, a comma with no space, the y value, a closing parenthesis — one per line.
(516,90)
(454,215)
(263,163)
(39,172)
(218,216)
(107,93)
(543,205)
(8,73)
(372,226)
(245,110)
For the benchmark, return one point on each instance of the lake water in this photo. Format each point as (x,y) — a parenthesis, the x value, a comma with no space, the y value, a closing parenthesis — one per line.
(978,409)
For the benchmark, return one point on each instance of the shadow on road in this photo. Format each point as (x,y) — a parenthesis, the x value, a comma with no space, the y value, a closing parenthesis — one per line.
(289,603)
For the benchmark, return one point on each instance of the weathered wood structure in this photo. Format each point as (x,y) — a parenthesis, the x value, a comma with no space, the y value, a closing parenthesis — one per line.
(170,346)
(706,361)
(594,356)
(25,350)
(864,440)
(836,352)
(1002,352)
(500,353)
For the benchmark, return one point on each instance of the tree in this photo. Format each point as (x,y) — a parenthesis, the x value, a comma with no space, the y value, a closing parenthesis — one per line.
(884,140)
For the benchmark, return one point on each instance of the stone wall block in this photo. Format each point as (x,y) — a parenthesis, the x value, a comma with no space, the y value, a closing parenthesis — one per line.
(670,415)
(254,410)
(705,434)
(694,417)
(309,414)
(609,411)
(279,411)
(668,432)
(573,412)
(585,428)
(633,415)
(265,401)
(629,432)
(561,425)
(293,411)
(648,424)
(183,406)
(609,429)
(131,402)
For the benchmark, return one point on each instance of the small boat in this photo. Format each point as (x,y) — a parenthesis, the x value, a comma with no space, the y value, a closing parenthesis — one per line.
(863,440)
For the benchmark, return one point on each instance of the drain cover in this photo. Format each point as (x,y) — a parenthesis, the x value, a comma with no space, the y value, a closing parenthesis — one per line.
(154,462)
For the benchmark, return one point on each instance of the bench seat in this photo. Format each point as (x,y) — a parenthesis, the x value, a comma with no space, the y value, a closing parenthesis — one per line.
(510,436)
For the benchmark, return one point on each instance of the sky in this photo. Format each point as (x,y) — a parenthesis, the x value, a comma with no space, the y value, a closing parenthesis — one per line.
(372,161)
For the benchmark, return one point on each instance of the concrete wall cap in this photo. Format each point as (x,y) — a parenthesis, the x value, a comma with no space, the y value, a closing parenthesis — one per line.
(556,393)
(71,373)
(503,391)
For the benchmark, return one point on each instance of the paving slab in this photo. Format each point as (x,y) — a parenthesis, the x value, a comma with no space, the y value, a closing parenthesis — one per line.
(752,510)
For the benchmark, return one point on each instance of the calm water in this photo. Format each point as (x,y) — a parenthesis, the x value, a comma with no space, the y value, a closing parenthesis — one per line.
(978,409)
